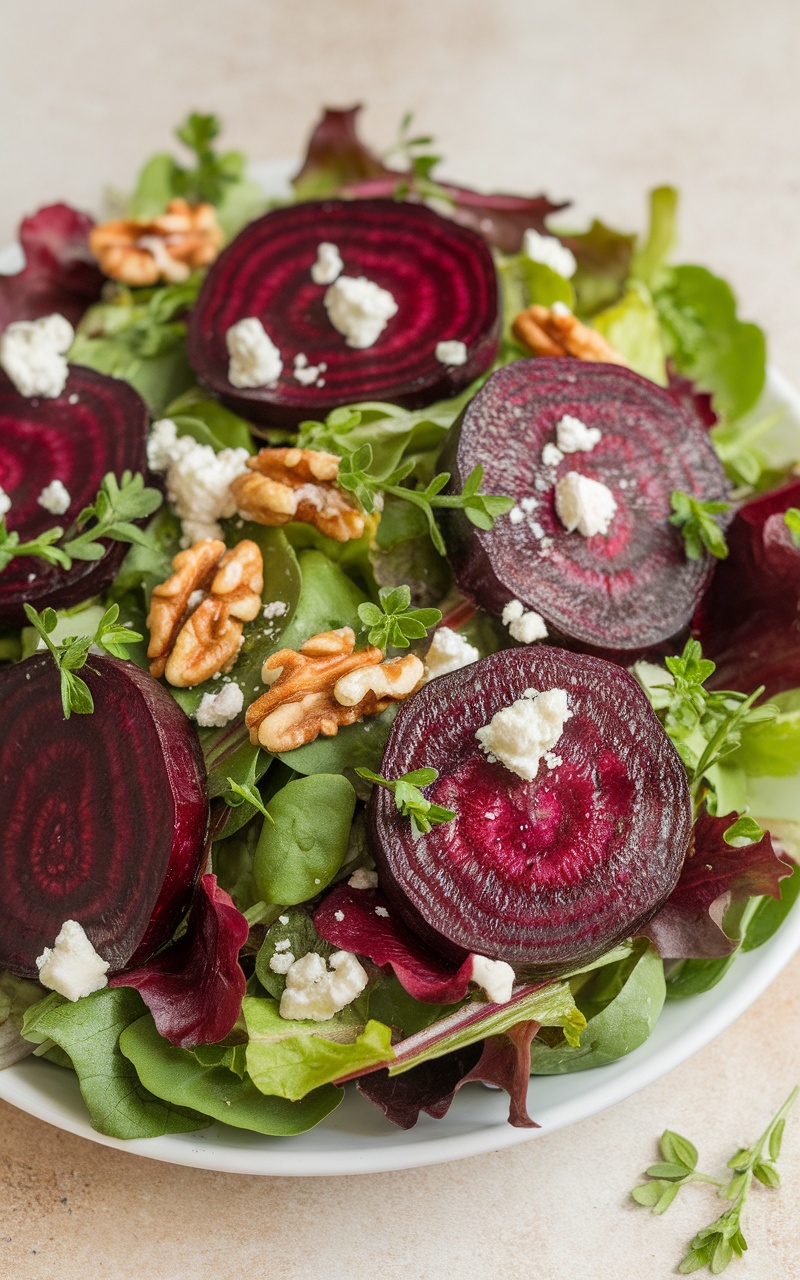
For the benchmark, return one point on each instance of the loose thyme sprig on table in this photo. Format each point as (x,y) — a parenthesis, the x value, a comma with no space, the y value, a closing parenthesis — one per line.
(717,1244)
(409,798)
(72,653)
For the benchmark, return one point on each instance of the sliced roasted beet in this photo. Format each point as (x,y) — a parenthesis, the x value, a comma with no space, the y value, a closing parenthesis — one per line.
(622,592)
(98,424)
(441,276)
(103,817)
(60,272)
(545,874)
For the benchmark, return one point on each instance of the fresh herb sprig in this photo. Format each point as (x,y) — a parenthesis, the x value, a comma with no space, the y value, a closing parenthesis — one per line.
(212,172)
(117,505)
(705,727)
(71,654)
(696,522)
(480,509)
(414,150)
(792,521)
(244,792)
(409,798)
(392,623)
(716,1245)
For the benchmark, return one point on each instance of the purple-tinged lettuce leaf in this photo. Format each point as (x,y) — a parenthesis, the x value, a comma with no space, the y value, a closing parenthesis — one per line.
(749,619)
(689,925)
(194,989)
(685,393)
(336,157)
(60,273)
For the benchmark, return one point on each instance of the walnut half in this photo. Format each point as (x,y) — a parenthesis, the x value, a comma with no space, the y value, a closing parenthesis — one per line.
(197,616)
(324,686)
(550,331)
(298,484)
(166,248)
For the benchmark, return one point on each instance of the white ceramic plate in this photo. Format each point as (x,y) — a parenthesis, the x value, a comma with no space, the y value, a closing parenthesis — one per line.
(356,1138)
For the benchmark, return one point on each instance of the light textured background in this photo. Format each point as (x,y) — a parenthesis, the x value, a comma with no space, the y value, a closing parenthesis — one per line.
(596,98)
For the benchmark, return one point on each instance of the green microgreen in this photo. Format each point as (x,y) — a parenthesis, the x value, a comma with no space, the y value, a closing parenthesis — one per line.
(409,798)
(71,654)
(792,522)
(717,1244)
(414,151)
(696,522)
(243,792)
(212,172)
(480,509)
(392,623)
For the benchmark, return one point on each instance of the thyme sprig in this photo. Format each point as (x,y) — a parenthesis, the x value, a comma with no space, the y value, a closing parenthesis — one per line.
(72,653)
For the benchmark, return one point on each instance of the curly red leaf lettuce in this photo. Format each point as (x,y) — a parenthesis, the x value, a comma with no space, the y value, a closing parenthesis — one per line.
(194,989)
(749,619)
(60,273)
(689,925)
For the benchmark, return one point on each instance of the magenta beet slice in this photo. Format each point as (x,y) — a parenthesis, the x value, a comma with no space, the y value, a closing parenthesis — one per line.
(624,592)
(103,817)
(98,424)
(547,874)
(441,276)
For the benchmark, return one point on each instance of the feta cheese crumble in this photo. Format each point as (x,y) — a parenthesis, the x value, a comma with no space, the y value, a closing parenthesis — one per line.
(32,353)
(527,626)
(255,361)
(550,252)
(448,652)
(584,504)
(54,498)
(328,265)
(217,709)
(363,879)
(551,455)
(317,992)
(359,309)
(521,735)
(308,375)
(71,966)
(561,309)
(495,976)
(198,479)
(573,436)
(5,503)
(451,352)
(281,961)
(274,609)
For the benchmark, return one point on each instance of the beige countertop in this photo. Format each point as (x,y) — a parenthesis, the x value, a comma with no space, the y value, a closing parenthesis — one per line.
(602,100)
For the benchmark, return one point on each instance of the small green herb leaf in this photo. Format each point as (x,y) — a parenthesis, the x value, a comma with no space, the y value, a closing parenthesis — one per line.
(393,623)
(238,793)
(792,521)
(696,522)
(72,653)
(409,798)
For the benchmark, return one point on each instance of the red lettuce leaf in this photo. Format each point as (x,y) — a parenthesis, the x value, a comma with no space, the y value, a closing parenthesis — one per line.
(336,157)
(384,939)
(749,619)
(194,989)
(60,273)
(689,925)
(696,403)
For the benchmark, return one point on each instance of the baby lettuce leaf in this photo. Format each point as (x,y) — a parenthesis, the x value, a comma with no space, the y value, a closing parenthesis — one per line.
(304,846)
(650,258)
(16,997)
(336,157)
(328,599)
(603,256)
(60,272)
(622,1004)
(88,1031)
(772,749)
(209,422)
(359,745)
(180,1079)
(289,1059)
(302,937)
(770,914)
(631,326)
(194,989)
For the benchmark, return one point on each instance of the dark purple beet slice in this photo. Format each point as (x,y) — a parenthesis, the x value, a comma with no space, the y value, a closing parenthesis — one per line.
(624,592)
(103,817)
(567,865)
(441,275)
(98,424)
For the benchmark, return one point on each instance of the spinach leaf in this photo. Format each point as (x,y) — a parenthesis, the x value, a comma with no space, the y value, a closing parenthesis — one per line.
(300,852)
(298,930)
(356,745)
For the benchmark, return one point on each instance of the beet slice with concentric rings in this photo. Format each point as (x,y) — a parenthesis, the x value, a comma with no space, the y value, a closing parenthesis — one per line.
(98,424)
(546,874)
(440,275)
(623,592)
(103,817)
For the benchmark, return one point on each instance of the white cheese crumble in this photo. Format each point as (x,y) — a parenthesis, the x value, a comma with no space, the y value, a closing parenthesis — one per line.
(448,652)
(451,352)
(32,353)
(328,265)
(198,479)
(71,966)
(495,976)
(5,503)
(363,879)
(359,309)
(281,961)
(308,375)
(255,361)
(550,252)
(521,735)
(217,709)
(274,609)
(561,309)
(551,455)
(584,504)
(573,436)
(317,992)
(55,498)
(523,624)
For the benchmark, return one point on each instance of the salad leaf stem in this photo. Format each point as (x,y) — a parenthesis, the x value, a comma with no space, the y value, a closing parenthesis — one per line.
(409,798)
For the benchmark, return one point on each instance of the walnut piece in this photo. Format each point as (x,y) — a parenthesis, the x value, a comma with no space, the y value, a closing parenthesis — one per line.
(167,248)
(298,484)
(303,699)
(547,331)
(197,616)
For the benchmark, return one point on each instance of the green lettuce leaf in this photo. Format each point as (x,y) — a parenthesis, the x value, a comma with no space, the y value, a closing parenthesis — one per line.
(16,997)
(652,253)
(209,422)
(301,850)
(631,325)
(772,749)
